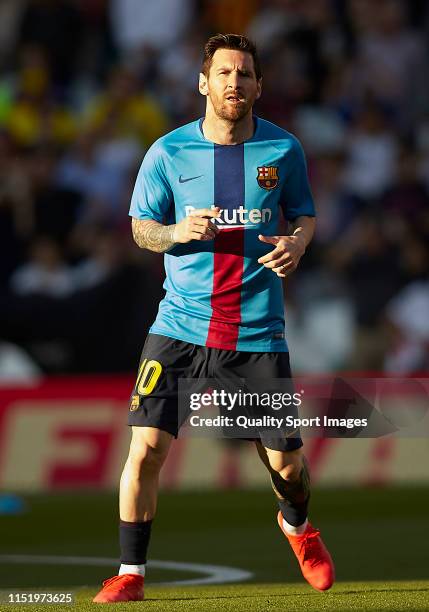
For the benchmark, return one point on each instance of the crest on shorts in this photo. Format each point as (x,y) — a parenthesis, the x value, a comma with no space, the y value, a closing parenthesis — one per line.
(135,402)
(268,177)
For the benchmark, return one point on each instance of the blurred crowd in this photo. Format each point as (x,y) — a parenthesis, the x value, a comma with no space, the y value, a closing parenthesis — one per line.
(87,85)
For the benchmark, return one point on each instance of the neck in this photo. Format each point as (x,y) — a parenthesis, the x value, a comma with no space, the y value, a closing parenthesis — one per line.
(224,132)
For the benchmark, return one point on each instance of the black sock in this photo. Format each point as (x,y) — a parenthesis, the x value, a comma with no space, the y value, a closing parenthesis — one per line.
(294,513)
(134,540)
(293,497)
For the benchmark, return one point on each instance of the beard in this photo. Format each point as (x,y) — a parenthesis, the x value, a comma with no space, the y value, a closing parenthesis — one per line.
(228,111)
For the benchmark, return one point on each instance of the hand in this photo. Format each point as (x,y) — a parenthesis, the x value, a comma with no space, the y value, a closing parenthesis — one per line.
(284,258)
(197,226)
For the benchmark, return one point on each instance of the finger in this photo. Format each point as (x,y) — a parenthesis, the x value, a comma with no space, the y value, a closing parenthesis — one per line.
(206,234)
(200,222)
(279,261)
(274,254)
(277,264)
(196,236)
(283,272)
(205,212)
(202,229)
(205,228)
(269,239)
(283,267)
(286,272)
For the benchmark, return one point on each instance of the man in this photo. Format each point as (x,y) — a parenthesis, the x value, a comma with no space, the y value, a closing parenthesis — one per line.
(208,196)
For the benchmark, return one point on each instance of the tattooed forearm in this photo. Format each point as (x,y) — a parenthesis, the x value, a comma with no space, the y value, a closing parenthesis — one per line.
(153,235)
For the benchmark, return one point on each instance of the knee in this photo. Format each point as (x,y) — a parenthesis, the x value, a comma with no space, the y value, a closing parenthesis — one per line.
(146,459)
(288,467)
(291,472)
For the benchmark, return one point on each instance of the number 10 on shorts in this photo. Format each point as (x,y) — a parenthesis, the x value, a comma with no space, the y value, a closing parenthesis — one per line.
(150,371)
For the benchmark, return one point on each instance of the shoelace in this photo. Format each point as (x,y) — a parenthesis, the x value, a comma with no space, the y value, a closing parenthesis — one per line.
(309,544)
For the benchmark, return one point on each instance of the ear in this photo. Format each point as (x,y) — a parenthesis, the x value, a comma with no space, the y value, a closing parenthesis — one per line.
(203,85)
(259,88)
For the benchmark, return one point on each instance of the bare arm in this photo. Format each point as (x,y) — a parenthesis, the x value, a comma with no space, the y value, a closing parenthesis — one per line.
(304,227)
(149,234)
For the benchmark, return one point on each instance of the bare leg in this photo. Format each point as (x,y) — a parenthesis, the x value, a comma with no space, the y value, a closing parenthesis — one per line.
(288,464)
(290,482)
(138,492)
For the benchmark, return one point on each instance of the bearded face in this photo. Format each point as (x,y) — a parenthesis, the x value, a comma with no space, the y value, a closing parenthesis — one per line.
(232,106)
(231,86)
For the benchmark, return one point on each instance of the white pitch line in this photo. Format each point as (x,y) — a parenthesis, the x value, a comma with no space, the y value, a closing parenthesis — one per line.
(216,574)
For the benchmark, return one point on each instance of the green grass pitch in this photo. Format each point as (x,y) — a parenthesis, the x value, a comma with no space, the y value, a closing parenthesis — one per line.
(378,538)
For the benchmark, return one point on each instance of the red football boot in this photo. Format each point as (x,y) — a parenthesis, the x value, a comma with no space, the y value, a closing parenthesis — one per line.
(314,559)
(127,587)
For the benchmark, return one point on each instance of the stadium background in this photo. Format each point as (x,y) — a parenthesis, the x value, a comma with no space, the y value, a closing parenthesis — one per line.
(85,87)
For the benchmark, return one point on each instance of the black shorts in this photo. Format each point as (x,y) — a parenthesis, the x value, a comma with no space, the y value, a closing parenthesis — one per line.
(154,401)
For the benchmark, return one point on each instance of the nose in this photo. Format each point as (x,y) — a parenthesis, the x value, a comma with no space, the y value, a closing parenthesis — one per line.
(233,80)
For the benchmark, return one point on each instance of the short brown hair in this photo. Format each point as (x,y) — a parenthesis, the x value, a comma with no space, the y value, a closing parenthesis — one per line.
(230,41)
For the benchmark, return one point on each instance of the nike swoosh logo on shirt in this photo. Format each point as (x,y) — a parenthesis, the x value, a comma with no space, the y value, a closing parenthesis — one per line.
(185,180)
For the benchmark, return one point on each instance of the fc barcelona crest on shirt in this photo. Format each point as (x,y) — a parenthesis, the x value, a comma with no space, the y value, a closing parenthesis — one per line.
(268,177)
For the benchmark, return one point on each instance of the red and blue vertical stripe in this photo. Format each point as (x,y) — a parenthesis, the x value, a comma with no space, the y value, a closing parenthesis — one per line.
(229,193)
